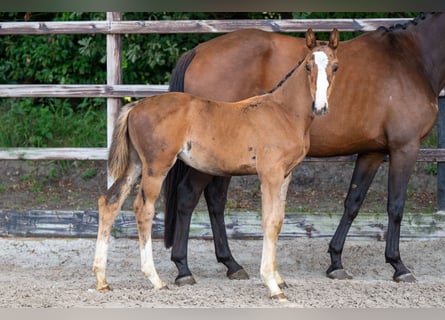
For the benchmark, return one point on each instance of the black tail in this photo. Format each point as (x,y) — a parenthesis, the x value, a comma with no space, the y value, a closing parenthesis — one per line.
(179,169)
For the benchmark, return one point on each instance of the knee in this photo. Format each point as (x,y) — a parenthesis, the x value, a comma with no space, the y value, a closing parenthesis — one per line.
(395,212)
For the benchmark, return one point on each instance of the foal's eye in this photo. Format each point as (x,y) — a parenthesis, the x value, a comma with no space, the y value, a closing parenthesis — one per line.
(308,67)
(334,68)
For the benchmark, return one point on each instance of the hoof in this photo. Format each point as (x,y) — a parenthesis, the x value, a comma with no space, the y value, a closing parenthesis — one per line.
(279,297)
(104,288)
(241,274)
(283,285)
(407,277)
(339,274)
(187,280)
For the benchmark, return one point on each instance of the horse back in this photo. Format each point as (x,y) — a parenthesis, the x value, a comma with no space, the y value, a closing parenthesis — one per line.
(242,64)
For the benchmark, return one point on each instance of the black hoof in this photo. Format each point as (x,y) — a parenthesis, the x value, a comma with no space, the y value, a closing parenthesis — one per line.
(241,274)
(407,278)
(187,280)
(339,274)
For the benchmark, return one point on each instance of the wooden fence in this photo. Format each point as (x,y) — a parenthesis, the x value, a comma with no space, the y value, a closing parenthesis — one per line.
(114,27)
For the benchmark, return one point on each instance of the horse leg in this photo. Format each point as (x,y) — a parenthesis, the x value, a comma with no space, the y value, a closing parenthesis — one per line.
(402,163)
(109,206)
(365,169)
(273,202)
(189,192)
(216,198)
(144,209)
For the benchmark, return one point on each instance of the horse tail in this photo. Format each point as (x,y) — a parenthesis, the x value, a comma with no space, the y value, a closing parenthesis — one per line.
(177,172)
(119,155)
(177,79)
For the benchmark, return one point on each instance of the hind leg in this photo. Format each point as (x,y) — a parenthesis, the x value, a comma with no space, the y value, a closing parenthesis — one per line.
(109,206)
(144,209)
(401,165)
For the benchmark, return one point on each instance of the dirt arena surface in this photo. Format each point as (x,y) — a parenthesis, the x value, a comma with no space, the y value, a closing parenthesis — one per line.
(41,273)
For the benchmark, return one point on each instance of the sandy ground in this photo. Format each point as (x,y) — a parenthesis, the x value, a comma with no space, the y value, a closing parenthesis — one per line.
(57,273)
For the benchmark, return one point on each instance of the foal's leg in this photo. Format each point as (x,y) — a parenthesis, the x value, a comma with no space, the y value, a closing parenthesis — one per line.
(109,206)
(216,197)
(365,169)
(189,192)
(144,209)
(402,163)
(274,190)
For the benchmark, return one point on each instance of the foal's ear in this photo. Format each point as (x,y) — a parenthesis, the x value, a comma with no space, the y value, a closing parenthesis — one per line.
(333,39)
(310,39)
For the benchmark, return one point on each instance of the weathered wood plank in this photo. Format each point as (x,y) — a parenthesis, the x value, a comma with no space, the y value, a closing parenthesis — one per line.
(192,26)
(41,223)
(114,77)
(54,153)
(80,91)
(86,90)
(425,155)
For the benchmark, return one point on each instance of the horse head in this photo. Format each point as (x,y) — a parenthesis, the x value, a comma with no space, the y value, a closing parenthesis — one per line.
(321,65)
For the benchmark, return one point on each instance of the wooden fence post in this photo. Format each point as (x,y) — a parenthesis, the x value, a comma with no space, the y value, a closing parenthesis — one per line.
(114,76)
(441,165)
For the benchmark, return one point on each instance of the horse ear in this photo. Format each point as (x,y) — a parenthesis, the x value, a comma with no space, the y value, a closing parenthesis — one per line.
(310,39)
(333,39)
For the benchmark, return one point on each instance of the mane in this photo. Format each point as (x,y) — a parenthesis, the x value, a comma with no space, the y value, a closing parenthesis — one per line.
(399,26)
(287,76)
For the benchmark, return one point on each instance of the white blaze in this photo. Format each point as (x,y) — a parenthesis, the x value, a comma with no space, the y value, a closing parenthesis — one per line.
(321,99)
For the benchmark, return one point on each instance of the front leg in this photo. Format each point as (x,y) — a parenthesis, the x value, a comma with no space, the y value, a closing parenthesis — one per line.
(273,203)
(365,169)
(216,197)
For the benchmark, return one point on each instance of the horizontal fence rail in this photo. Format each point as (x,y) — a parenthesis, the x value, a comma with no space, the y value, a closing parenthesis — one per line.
(86,90)
(192,26)
(425,155)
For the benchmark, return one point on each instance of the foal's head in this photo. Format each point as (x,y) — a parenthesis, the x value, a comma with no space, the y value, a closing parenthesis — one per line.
(321,65)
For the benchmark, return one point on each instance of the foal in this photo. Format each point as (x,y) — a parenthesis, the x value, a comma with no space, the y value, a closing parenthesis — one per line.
(266,135)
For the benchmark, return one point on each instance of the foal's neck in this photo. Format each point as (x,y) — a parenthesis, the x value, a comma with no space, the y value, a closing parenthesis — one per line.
(293,92)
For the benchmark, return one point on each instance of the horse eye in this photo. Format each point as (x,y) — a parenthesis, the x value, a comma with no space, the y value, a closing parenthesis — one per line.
(334,68)
(308,67)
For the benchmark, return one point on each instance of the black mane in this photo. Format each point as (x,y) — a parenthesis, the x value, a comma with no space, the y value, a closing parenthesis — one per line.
(399,26)
(287,76)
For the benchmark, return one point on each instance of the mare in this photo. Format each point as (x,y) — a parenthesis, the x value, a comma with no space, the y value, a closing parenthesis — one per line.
(266,135)
(385,101)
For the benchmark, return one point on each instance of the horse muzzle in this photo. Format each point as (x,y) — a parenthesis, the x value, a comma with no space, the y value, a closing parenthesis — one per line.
(319,110)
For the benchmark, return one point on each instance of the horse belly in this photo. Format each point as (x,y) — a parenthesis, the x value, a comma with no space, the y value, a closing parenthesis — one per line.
(226,160)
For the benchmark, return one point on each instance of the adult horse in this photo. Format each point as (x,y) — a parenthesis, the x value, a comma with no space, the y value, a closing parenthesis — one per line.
(384,103)
(266,135)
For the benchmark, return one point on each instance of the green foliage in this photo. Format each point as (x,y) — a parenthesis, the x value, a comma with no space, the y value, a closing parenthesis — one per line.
(89,173)
(52,122)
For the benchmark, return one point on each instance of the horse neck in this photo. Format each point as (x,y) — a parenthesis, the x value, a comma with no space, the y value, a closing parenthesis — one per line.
(293,94)
(429,36)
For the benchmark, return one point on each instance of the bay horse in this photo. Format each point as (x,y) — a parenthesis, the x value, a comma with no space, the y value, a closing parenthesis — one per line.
(385,103)
(266,135)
